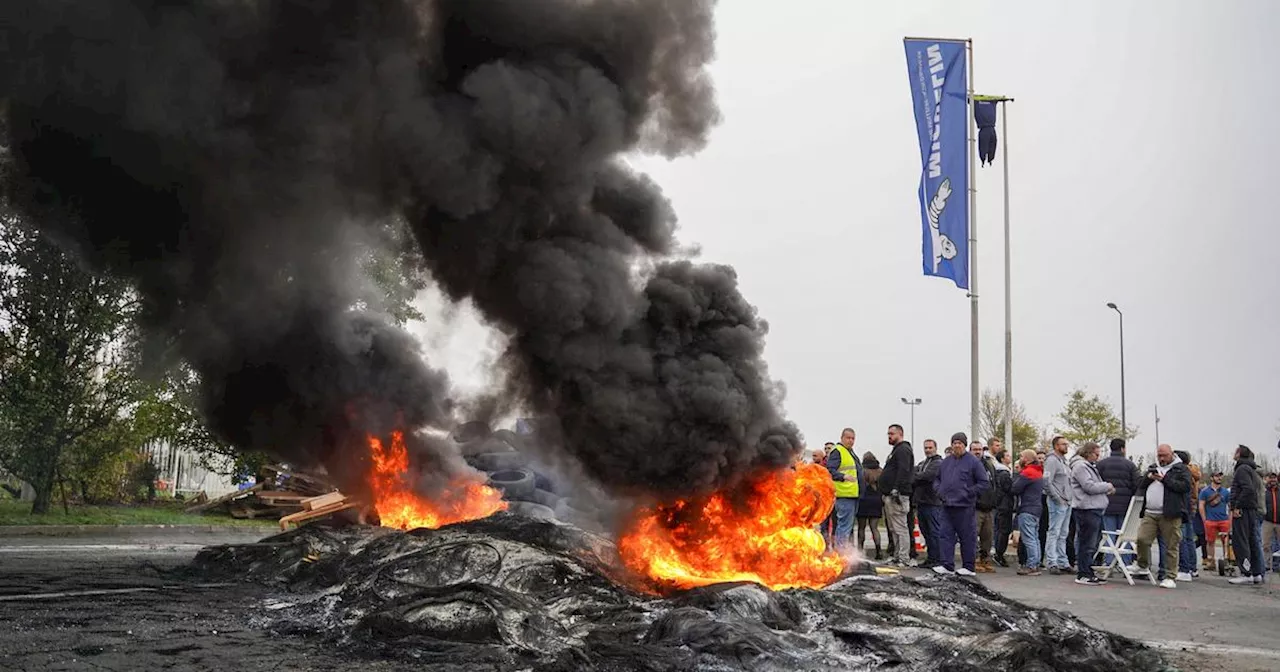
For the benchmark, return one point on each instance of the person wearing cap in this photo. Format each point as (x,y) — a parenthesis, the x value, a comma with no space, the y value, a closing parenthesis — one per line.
(1214,504)
(961,479)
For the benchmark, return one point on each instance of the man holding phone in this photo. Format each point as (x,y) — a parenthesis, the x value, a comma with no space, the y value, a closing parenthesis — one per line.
(1166,486)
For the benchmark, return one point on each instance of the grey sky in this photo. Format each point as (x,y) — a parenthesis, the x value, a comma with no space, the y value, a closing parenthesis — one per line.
(1142,151)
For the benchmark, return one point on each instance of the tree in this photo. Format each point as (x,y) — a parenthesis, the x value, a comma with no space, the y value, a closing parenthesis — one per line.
(991,422)
(66,365)
(1088,418)
(395,265)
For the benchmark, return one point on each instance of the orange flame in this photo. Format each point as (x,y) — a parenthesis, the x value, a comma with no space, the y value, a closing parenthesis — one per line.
(769,538)
(400,507)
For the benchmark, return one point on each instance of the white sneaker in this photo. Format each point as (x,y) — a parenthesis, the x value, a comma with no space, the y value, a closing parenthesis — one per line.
(1240,581)
(965,572)
(1168,583)
(1138,571)
(942,570)
(1259,579)
(1183,576)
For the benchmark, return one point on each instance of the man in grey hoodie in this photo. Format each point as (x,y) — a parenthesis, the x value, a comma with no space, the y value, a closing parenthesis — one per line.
(1088,501)
(1057,490)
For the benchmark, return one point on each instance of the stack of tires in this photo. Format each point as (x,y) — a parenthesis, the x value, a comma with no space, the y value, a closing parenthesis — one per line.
(528,492)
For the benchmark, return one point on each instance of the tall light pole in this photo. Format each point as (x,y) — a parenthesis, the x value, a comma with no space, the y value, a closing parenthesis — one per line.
(912,403)
(1124,425)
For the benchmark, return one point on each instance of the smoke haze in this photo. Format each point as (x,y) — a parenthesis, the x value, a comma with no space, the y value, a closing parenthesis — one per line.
(229,155)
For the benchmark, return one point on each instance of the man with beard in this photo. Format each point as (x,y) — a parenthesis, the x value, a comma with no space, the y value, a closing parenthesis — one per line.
(1057,489)
(961,479)
(896,482)
(1165,488)
(1245,522)
(1214,502)
(927,503)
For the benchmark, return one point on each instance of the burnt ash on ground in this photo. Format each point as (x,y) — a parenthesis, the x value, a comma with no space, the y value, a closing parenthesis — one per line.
(510,592)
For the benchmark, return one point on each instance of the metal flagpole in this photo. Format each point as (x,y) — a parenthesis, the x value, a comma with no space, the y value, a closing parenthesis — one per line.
(971,131)
(1008,292)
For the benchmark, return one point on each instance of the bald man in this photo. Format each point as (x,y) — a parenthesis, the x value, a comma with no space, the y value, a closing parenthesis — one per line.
(1165,486)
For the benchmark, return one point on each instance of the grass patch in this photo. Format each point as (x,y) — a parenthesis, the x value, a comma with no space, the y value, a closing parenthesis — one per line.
(19,513)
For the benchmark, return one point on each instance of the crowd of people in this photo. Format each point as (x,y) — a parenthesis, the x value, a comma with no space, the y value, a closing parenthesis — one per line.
(1055,502)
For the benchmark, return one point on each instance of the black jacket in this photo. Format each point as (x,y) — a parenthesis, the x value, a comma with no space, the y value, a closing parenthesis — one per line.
(1271,499)
(1002,483)
(990,497)
(1121,472)
(926,471)
(1244,487)
(899,471)
(1177,483)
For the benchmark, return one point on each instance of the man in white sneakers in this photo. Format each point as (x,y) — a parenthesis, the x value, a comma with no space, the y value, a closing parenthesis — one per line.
(1165,486)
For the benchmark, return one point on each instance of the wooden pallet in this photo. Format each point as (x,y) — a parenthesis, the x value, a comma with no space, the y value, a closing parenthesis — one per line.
(322,511)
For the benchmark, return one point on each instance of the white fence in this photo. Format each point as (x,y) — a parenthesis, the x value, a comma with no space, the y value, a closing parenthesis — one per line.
(180,471)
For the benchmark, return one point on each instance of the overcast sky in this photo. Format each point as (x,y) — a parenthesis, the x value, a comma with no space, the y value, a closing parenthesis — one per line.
(1142,150)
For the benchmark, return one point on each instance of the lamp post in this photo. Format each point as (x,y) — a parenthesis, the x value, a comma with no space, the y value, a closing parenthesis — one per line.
(912,403)
(1124,425)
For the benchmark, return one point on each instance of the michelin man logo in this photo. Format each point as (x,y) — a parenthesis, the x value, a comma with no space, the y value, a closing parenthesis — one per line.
(943,248)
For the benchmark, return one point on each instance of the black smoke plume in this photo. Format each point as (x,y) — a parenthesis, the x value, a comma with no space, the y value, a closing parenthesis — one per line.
(227,155)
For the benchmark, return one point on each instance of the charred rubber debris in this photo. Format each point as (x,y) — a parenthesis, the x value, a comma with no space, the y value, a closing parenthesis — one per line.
(516,593)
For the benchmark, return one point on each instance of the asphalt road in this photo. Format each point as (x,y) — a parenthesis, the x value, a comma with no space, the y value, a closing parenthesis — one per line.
(1205,624)
(111,603)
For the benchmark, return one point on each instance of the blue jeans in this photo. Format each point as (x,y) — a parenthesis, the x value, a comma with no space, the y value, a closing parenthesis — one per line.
(1263,553)
(1114,523)
(846,512)
(931,527)
(1029,538)
(1088,531)
(1187,557)
(1055,550)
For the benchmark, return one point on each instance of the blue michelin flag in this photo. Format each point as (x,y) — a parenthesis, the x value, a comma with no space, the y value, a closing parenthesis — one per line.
(938,93)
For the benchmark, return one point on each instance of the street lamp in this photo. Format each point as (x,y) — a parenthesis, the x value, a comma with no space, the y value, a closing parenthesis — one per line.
(912,403)
(1124,425)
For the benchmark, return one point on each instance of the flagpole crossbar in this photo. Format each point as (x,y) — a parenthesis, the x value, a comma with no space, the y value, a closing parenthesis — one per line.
(954,40)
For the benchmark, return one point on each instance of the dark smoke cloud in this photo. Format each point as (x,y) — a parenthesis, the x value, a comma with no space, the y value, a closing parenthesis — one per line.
(228,154)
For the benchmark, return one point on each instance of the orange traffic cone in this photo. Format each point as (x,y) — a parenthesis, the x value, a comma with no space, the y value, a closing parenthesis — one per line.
(918,539)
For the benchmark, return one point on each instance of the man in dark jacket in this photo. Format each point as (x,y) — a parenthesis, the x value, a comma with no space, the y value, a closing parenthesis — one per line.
(1245,496)
(961,479)
(896,482)
(1005,507)
(928,507)
(1165,488)
(1121,472)
(1270,519)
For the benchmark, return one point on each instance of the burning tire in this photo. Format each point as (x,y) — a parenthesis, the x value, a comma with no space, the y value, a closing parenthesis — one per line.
(531,510)
(510,438)
(498,461)
(515,484)
(471,431)
(543,497)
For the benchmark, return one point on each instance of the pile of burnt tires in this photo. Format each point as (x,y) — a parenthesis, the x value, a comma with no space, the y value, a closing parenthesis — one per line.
(529,490)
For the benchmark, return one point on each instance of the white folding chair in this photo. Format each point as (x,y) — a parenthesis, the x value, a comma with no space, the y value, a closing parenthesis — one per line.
(1116,543)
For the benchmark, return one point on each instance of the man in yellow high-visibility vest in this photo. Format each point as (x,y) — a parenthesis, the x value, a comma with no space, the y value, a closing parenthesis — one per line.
(846,471)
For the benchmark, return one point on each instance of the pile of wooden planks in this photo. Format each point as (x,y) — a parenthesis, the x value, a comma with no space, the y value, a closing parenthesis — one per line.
(279,492)
(322,506)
